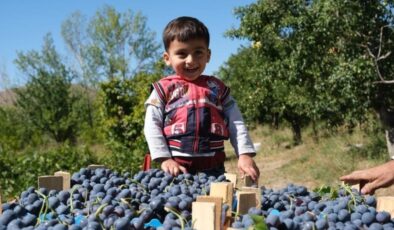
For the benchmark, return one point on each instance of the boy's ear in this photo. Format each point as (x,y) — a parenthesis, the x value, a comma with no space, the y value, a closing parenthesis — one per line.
(166,58)
(209,55)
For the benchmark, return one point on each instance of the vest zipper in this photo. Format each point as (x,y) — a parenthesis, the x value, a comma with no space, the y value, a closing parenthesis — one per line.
(195,147)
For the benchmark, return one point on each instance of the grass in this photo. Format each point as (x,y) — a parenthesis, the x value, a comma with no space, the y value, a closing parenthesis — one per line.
(312,163)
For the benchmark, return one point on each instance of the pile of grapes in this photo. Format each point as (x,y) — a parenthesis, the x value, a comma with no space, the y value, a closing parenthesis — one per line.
(104,199)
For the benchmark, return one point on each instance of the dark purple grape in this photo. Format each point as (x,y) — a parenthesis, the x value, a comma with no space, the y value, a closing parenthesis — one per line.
(74,227)
(375,226)
(183,205)
(383,217)
(358,223)
(93,225)
(361,208)
(289,223)
(237,224)
(53,202)
(60,227)
(29,219)
(355,216)
(370,201)
(62,209)
(63,196)
(308,225)
(6,217)
(272,220)
(137,222)
(122,223)
(15,224)
(367,218)
(343,215)
(321,224)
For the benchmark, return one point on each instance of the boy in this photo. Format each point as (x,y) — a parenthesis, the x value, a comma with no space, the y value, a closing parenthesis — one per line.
(189,115)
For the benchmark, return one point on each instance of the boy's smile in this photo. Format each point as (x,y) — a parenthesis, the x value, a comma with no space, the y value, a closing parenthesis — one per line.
(188,59)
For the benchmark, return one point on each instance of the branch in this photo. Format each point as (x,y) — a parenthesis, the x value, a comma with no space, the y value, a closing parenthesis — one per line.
(384,82)
(381,39)
(379,57)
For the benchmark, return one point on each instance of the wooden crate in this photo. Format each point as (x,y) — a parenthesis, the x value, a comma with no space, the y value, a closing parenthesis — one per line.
(203,215)
(225,191)
(385,203)
(218,201)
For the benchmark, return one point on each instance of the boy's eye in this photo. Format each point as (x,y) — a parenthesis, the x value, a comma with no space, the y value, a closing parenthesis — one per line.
(181,54)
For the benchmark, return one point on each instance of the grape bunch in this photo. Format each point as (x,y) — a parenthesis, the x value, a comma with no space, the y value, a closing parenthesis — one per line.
(296,208)
(105,199)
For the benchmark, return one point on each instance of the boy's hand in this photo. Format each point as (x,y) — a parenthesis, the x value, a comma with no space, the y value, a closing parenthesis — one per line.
(246,165)
(172,167)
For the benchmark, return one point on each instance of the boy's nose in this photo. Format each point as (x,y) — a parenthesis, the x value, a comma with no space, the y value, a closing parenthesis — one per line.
(189,59)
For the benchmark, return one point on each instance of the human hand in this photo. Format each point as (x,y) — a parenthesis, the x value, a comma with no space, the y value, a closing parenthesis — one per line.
(172,167)
(247,166)
(371,179)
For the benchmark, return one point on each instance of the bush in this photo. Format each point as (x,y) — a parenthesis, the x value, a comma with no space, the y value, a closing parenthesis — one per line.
(21,170)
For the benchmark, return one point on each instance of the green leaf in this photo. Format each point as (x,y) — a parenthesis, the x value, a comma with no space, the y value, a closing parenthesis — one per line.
(259,222)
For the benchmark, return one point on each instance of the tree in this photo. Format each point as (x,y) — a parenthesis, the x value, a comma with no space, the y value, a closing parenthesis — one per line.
(384,101)
(123,115)
(316,66)
(111,45)
(117,55)
(46,98)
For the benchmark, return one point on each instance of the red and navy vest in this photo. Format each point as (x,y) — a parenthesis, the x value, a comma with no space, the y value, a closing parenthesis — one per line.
(194,120)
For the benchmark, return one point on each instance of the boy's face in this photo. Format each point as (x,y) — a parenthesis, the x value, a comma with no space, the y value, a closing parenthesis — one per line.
(188,59)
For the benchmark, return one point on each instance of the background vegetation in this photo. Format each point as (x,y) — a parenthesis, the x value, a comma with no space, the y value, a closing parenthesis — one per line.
(315,83)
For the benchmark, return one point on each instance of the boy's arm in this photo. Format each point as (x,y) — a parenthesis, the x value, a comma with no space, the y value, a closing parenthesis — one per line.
(153,131)
(239,136)
(240,140)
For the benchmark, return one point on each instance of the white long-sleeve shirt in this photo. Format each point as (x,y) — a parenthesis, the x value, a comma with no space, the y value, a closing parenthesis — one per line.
(153,130)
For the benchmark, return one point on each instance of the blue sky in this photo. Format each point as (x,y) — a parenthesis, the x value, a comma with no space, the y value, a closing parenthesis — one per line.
(23,24)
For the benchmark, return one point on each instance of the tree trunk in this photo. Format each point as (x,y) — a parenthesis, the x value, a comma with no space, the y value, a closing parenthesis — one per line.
(315,132)
(296,127)
(386,116)
(390,142)
(275,122)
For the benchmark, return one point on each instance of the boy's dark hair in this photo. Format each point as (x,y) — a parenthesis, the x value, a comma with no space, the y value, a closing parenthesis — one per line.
(183,29)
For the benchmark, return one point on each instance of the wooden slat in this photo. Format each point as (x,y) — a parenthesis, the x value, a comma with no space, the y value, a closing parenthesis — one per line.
(225,191)
(257,191)
(93,166)
(385,203)
(246,200)
(51,182)
(218,201)
(1,205)
(248,182)
(66,179)
(203,215)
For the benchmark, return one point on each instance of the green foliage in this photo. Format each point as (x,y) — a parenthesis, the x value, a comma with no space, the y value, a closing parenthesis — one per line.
(259,223)
(111,44)
(376,148)
(123,115)
(326,191)
(21,170)
(46,99)
(311,61)
(16,132)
